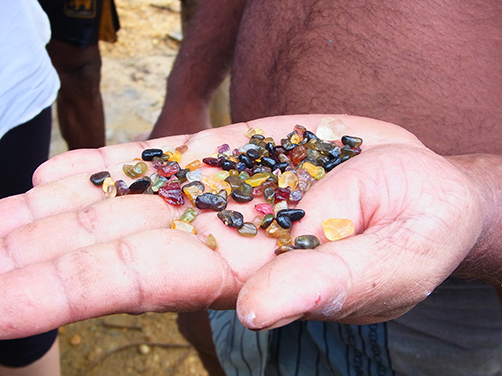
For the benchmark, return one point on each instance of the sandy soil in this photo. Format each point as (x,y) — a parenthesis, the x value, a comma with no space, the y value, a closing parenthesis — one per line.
(133,87)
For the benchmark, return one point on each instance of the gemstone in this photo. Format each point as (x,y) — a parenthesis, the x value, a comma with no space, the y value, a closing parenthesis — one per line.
(352,142)
(231,218)
(139,186)
(98,178)
(331,129)
(171,193)
(267,221)
(337,228)
(148,154)
(211,242)
(292,214)
(189,215)
(248,230)
(182,226)
(306,242)
(194,165)
(211,201)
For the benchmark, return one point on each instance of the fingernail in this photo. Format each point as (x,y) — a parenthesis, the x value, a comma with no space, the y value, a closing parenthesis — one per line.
(284,321)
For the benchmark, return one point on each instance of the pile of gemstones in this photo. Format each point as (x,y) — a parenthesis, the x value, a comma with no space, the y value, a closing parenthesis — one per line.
(280,174)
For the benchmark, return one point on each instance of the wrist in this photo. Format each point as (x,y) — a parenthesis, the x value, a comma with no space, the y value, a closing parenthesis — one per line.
(484,261)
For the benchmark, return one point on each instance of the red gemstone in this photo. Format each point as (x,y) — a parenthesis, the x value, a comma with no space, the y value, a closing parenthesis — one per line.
(171,193)
(168,170)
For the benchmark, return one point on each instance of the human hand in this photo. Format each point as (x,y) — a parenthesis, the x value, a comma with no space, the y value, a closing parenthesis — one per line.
(67,254)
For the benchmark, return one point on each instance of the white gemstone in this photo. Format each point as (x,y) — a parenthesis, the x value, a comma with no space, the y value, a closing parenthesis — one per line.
(331,129)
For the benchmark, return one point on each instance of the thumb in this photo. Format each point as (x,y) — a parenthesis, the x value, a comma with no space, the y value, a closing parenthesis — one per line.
(358,280)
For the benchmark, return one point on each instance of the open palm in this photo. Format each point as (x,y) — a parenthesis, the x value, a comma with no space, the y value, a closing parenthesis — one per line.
(68,254)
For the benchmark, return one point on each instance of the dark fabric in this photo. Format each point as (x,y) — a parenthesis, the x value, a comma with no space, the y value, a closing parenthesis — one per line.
(24,351)
(77,22)
(22,150)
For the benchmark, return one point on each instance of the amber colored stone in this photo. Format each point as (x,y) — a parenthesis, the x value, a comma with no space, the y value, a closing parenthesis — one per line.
(284,249)
(183,226)
(254,131)
(298,154)
(337,228)
(288,179)
(295,138)
(211,242)
(181,149)
(231,218)
(306,242)
(194,165)
(98,178)
(285,240)
(213,182)
(192,192)
(274,230)
(248,230)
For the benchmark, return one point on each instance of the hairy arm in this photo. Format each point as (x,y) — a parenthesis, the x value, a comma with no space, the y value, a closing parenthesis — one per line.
(484,262)
(201,65)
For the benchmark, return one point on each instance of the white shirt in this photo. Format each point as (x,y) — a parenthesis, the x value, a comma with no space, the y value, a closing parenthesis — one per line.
(28,81)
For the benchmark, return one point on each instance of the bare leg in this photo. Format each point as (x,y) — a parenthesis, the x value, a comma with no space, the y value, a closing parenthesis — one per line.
(48,365)
(79,103)
(194,326)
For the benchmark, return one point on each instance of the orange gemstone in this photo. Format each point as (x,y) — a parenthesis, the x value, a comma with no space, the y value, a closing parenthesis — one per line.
(337,228)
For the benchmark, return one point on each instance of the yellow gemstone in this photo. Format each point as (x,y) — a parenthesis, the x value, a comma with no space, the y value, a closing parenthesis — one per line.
(108,182)
(192,193)
(194,165)
(257,179)
(295,138)
(312,170)
(182,226)
(211,242)
(214,183)
(320,173)
(288,179)
(222,175)
(337,228)
(176,157)
(251,132)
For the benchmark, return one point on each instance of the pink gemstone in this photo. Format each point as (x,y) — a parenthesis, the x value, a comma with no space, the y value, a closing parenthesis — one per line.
(264,209)
(223,148)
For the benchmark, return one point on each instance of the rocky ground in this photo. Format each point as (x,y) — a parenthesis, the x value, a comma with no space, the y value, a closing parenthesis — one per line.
(133,87)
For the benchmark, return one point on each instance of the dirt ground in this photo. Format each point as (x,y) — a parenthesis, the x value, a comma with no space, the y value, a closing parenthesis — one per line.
(133,86)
